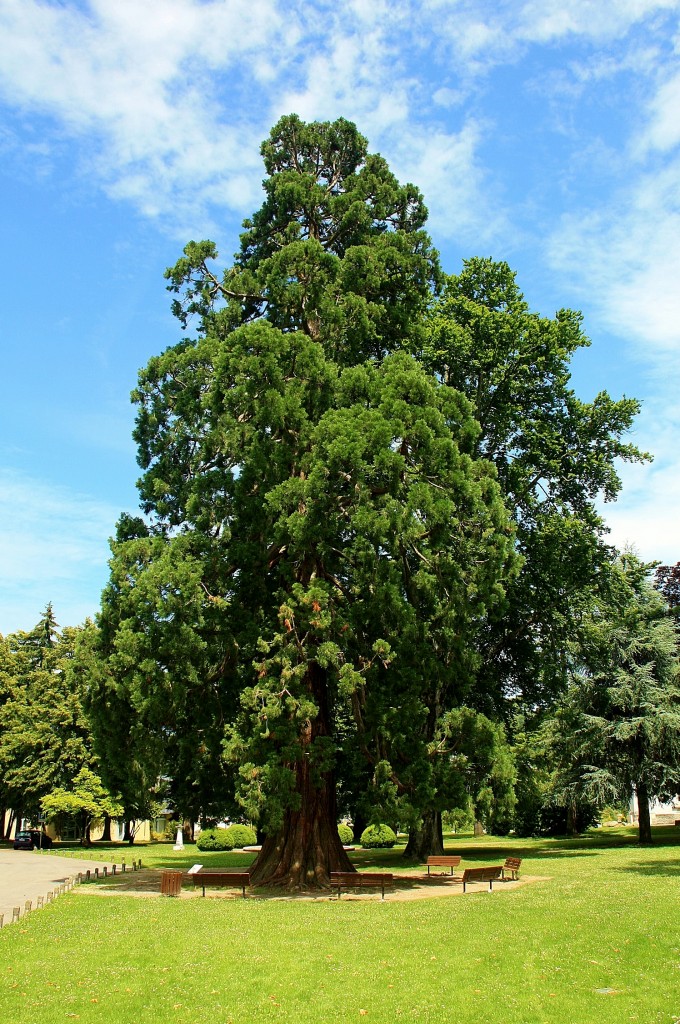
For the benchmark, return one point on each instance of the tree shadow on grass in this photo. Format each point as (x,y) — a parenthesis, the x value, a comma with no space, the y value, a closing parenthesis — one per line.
(653,868)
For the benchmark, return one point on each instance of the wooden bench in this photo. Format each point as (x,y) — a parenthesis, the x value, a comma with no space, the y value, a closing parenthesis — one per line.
(360,880)
(489,875)
(443,862)
(512,865)
(227,879)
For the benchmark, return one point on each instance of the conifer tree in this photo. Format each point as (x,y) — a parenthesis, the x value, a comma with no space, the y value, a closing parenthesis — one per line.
(321,537)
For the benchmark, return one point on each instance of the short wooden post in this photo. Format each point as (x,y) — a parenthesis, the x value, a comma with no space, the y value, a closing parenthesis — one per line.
(40,903)
(139,864)
(113,868)
(16,912)
(2,919)
(123,866)
(87,875)
(105,869)
(28,907)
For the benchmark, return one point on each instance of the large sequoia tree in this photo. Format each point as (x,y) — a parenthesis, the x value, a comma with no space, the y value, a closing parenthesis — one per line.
(321,533)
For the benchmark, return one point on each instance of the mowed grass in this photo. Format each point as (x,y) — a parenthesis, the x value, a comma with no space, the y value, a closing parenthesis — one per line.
(598,940)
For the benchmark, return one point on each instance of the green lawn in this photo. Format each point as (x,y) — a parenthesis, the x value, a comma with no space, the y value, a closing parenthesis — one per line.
(597,941)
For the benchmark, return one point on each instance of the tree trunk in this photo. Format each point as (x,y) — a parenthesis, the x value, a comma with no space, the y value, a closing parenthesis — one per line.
(427,840)
(14,822)
(106,831)
(572,823)
(128,833)
(307,847)
(644,820)
(359,825)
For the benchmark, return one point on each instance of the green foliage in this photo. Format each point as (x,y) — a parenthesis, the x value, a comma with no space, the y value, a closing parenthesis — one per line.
(346,834)
(371,521)
(46,748)
(377,837)
(619,725)
(85,800)
(460,819)
(554,455)
(215,839)
(241,835)
(322,539)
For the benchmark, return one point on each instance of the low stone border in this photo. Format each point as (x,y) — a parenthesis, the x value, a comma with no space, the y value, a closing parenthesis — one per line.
(69,883)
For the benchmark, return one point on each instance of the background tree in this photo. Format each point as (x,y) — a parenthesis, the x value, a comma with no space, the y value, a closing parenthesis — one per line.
(45,737)
(621,717)
(85,801)
(667,582)
(155,704)
(320,536)
(553,455)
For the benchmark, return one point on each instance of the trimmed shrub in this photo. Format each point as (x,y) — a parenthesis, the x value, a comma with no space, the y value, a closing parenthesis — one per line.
(215,839)
(346,834)
(241,835)
(378,837)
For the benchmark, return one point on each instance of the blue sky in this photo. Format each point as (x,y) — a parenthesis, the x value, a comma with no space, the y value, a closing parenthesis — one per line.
(541,132)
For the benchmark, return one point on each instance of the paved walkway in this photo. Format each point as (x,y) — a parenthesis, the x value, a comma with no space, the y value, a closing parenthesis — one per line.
(25,875)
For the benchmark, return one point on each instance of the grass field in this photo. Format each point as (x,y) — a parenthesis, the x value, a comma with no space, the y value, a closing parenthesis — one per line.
(598,940)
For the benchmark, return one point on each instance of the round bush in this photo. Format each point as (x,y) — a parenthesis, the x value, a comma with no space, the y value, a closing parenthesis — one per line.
(241,835)
(378,837)
(215,839)
(346,834)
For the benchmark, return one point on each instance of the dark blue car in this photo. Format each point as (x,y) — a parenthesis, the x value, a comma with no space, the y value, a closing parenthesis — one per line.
(32,840)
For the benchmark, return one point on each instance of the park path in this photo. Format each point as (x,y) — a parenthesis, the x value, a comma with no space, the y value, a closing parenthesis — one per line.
(25,875)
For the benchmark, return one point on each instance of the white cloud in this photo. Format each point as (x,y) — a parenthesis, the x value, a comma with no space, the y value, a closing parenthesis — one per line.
(663,131)
(626,258)
(53,547)
(646,517)
(170,99)
(477,37)
(147,88)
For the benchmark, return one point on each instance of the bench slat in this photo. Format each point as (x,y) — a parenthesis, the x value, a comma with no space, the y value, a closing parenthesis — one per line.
(360,880)
(443,861)
(484,874)
(512,864)
(231,879)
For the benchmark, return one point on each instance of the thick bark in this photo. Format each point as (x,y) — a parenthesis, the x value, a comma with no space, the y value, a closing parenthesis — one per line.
(106,831)
(427,840)
(307,847)
(644,820)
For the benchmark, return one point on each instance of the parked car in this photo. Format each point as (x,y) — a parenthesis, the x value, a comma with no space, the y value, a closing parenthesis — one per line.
(32,839)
